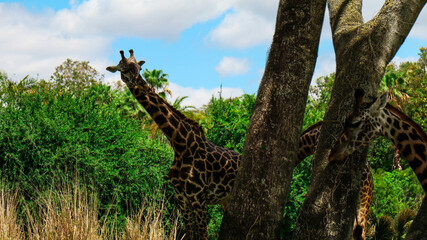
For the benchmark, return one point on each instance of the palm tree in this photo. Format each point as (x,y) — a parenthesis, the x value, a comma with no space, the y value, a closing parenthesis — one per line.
(158,80)
(386,227)
(178,105)
(10,90)
(127,105)
(402,222)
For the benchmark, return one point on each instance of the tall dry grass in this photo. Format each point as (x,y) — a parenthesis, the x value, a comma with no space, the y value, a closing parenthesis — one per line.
(72,213)
(10,227)
(148,224)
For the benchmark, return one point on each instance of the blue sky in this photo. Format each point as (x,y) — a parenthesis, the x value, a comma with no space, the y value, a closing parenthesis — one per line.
(201,44)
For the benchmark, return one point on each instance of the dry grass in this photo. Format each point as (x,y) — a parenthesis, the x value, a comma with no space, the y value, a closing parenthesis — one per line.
(148,224)
(10,228)
(72,213)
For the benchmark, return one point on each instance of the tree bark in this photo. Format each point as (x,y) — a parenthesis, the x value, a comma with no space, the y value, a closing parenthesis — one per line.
(269,157)
(418,229)
(362,51)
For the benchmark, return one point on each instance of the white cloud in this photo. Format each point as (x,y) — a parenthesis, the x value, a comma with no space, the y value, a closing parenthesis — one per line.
(325,65)
(242,29)
(370,9)
(419,30)
(201,96)
(267,8)
(138,18)
(30,43)
(398,60)
(37,42)
(229,66)
(251,23)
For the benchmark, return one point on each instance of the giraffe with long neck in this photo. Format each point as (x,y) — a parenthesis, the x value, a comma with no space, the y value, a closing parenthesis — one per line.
(370,120)
(201,173)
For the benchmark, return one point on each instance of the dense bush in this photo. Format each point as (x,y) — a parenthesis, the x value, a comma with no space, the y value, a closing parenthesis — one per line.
(49,132)
(227,120)
(395,191)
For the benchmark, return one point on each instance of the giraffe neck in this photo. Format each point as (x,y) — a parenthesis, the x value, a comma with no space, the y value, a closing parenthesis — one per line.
(174,124)
(409,138)
(308,141)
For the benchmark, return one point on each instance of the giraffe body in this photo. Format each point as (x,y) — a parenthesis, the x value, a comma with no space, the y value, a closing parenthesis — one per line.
(202,173)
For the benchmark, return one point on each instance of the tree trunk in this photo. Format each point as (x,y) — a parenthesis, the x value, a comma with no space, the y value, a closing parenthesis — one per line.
(418,229)
(362,50)
(260,191)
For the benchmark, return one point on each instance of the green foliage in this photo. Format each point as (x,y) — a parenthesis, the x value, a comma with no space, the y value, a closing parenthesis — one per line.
(385,227)
(296,196)
(407,86)
(75,74)
(127,106)
(227,120)
(381,154)
(318,100)
(46,132)
(395,191)
(215,214)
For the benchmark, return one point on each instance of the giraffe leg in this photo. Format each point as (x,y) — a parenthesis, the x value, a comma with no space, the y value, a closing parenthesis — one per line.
(365,201)
(201,220)
(187,214)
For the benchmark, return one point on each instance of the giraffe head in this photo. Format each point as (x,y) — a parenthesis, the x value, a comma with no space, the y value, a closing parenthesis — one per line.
(129,69)
(361,127)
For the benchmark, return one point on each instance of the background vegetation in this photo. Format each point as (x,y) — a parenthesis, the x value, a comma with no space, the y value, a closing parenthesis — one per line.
(74,135)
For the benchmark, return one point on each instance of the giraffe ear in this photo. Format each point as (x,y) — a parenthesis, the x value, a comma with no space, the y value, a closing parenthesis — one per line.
(379,104)
(140,63)
(112,69)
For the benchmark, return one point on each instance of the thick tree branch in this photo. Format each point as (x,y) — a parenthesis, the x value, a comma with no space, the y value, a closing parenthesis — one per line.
(345,16)
(384,34)
(389,28)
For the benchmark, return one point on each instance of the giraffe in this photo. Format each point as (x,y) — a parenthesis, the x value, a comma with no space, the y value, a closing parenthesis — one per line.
(307,146)
(201,173)
(365,201)
(369,120)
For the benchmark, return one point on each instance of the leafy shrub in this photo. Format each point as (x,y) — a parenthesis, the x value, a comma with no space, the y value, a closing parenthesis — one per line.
(381,154)
(299,186)
(395,191)
(227,120)
(48,132)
